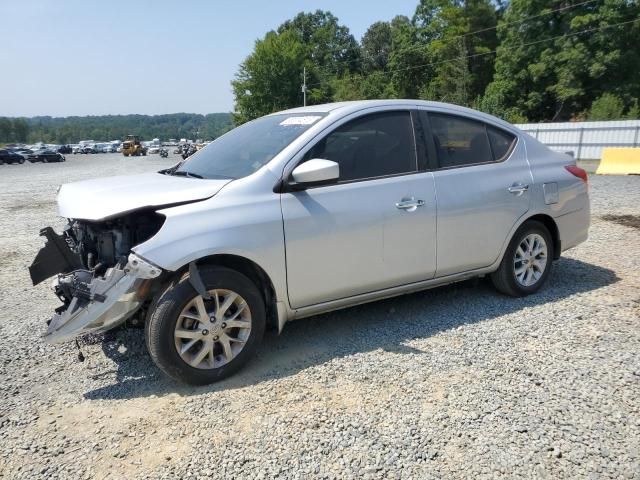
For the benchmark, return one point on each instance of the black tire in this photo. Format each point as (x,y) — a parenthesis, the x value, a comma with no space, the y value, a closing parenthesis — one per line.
(21,161)
(164,314)
(504,279)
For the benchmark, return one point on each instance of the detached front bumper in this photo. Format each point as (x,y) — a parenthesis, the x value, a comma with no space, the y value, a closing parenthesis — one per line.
(99,303)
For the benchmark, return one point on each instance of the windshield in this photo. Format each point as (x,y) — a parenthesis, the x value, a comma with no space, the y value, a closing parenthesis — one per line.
(248,147)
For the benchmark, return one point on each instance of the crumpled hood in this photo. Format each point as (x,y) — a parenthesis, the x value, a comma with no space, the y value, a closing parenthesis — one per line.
(103,198)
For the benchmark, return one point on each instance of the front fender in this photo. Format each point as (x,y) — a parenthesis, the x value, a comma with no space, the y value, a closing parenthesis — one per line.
(241,225)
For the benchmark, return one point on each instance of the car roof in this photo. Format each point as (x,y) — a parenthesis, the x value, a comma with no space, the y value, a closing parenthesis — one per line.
(345,108)
(360,104)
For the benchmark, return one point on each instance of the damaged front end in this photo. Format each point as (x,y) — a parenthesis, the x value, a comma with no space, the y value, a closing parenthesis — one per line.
(100,282)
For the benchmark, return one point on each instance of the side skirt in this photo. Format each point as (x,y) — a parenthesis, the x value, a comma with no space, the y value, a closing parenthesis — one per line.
(387,293)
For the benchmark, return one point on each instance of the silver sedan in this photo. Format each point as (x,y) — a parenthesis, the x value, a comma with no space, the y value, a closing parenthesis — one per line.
(306,211)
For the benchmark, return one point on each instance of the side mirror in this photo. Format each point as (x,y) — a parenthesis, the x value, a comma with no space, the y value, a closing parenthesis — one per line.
(315,172)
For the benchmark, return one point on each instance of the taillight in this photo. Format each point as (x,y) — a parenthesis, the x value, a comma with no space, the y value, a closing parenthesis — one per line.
(577,172)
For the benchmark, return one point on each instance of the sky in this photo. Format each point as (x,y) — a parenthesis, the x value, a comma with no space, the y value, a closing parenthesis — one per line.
(90,57)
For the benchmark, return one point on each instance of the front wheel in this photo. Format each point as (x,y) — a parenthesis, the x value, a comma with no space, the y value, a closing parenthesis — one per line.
(527,262)
(200,340)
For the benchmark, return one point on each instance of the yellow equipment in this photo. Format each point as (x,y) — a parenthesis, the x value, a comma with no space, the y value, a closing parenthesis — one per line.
(619,161)
(132,146)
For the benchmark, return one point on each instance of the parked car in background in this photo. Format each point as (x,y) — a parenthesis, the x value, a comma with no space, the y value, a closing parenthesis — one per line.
(25,152)
(77,149)
(153,149)
(64,149)
(306,211)
(87,149)
(9,157)
(46,156)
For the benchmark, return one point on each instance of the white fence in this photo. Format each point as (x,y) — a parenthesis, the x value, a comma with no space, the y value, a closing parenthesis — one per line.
(585,139)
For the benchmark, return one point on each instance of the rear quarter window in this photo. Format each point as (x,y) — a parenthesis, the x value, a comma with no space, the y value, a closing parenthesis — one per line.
(501,142)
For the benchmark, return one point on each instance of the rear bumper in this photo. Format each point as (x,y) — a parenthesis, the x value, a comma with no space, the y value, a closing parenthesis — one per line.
(574,227)
(101,303)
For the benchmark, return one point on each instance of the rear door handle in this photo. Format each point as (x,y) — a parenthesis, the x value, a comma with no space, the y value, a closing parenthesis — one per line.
(409,204)
(518,189)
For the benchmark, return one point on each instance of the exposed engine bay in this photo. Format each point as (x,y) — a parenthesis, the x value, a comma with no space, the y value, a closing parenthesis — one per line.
(100,282)
(101,245)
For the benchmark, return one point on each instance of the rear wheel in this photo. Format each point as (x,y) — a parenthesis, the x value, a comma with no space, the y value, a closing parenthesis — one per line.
(527,262)
(200,340)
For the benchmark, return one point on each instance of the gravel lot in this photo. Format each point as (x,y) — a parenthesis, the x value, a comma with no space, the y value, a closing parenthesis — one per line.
(456,382)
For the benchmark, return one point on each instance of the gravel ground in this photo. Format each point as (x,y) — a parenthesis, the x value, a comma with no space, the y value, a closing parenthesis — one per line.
(456,382)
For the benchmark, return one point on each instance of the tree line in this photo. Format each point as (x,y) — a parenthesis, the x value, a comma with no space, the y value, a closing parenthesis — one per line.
(64,130)
(523,60)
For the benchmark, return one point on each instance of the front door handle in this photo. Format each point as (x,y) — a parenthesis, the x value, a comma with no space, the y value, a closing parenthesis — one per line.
(410,204)
(518,189)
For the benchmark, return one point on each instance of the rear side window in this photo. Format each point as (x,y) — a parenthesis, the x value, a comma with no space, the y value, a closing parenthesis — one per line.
(459,141)
(501,142)
(375,145)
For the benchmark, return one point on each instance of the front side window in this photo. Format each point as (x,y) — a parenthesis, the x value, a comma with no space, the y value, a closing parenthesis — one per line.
(459,141)
(245,149)
(372,146)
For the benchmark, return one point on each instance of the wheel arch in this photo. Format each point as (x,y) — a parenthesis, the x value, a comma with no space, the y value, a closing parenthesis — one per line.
(551,225)
(249,269)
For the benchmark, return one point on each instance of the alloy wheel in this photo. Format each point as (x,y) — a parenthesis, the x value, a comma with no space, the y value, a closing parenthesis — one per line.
(530,259)
(212,332)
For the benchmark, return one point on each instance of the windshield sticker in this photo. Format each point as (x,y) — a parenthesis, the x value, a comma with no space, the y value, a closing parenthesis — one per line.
(308,120)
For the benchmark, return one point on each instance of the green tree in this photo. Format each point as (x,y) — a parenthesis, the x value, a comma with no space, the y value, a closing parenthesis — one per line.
(458,36)
(607,107)
(328,44)
(114,127)
(379,43)
(6,130)
(376,46)
(269,79)
(494,103)
(20,130)
(548,70)
(612,107)
(374,85)
(330,51)
(634,110)
(407,59)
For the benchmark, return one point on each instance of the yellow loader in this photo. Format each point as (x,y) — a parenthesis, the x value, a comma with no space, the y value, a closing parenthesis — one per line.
(132,146)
